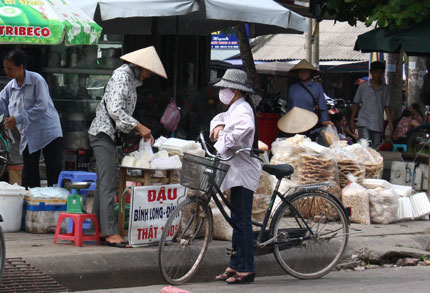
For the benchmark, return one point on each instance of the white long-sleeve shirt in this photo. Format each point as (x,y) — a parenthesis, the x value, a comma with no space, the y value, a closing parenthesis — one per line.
(238,133)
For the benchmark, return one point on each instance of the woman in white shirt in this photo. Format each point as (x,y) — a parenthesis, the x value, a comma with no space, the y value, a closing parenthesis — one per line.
(233,130)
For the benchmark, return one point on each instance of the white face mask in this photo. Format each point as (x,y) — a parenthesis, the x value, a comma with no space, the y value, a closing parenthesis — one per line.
(226,95)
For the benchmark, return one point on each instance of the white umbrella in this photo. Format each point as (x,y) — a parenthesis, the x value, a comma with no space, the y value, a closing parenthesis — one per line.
(191,17)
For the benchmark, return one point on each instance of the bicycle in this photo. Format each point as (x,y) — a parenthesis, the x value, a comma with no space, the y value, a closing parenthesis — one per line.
(2,244)
(308,230)
(2,251)
(5,135)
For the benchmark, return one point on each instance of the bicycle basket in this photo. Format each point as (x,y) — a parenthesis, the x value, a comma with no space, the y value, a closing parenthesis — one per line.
(196,172)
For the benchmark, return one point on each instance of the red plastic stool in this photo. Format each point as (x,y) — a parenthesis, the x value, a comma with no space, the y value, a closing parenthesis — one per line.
(77,235)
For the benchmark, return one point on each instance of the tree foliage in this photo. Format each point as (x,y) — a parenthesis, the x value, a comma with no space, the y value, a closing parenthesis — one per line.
(385,13)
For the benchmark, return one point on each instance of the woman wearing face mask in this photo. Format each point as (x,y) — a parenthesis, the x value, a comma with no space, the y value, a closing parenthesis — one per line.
(114,113)
(232,130)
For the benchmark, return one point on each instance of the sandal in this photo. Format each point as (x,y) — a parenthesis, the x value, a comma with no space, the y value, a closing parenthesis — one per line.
(241,279)
(224,276)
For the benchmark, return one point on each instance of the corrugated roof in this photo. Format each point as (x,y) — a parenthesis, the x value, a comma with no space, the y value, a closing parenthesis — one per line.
(336,43)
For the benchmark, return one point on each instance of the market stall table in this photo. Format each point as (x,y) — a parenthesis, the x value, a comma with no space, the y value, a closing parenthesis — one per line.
(143,176)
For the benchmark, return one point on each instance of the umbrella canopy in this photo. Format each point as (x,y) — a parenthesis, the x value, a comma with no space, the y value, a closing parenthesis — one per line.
(414,40)
(274,68)
(191,17)
(46,22)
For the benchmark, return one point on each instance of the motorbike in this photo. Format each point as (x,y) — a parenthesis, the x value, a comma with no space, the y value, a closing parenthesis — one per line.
(419,137)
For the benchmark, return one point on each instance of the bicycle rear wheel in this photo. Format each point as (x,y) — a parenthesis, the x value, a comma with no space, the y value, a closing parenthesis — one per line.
(299,252)
(2,254)
(184,240)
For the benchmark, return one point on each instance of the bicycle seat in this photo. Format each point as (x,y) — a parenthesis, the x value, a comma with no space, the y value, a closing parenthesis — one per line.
(279,171)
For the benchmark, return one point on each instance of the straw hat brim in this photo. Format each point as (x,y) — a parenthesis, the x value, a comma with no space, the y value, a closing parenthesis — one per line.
(304,64)
(227,84)
(146,58)
(297,120)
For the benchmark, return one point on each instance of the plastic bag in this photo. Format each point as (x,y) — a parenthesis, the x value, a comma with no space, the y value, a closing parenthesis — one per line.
(171,116)
(347,163)
(315,167)
(356,197)
(383,206)
(330,135)
(287,151)
(372,160)
(145,146)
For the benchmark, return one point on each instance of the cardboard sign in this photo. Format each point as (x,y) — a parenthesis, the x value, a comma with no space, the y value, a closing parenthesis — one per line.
(150,209)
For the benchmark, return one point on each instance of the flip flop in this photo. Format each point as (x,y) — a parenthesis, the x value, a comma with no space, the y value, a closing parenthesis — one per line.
(122,244)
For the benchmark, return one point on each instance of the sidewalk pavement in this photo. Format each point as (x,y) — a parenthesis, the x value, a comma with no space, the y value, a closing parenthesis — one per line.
(97,267)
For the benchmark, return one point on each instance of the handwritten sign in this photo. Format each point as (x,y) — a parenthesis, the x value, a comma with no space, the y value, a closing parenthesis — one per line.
(150,208)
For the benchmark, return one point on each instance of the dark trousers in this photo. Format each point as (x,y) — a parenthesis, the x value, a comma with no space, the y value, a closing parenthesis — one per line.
(107,185)
(53,154)
(243,240)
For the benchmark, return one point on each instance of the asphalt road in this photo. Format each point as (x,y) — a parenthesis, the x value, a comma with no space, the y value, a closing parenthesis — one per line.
(395,279)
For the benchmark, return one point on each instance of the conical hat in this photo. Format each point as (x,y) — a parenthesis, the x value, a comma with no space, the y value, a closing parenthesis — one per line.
(304,64)
(148,59)
(297,120)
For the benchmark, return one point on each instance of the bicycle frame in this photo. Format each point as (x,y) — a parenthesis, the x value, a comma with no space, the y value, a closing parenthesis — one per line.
(263,225)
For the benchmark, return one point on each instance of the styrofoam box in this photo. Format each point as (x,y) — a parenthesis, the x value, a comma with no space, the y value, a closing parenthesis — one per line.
(402,173)
(41,215)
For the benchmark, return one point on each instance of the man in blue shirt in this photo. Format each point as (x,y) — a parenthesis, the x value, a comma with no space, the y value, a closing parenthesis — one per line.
(307,94)
(26,100)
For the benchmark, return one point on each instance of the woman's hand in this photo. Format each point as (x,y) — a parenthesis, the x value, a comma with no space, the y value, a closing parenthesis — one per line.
(144,132)
(327,123)
(215,132)
(9,123)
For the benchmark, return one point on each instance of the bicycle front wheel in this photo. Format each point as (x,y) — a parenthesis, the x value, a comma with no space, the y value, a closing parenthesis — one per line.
(311,234)
(184,240)
(2,254)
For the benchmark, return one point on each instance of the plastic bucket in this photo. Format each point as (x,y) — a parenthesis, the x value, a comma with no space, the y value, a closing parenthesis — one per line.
(11,206)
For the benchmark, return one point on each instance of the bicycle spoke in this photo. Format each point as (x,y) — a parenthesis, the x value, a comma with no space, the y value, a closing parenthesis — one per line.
(180,257)
(313,250)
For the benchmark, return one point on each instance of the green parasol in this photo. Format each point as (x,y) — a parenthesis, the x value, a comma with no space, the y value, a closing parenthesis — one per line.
(46,22)
(414,40)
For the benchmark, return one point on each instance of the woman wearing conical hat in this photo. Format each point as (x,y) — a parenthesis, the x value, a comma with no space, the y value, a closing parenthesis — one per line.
(307,94)
(114,113)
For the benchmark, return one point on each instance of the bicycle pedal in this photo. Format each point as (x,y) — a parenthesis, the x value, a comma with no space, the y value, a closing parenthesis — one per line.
(230,252)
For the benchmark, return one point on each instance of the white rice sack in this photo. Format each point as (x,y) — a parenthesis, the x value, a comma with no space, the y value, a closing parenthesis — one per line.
(383,206)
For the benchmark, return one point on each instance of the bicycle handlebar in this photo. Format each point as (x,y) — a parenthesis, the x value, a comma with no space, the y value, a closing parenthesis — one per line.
(253,152)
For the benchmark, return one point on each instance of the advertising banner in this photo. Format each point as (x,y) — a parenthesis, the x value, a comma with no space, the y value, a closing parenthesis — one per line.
(150,207)
(42,22)
(226,39)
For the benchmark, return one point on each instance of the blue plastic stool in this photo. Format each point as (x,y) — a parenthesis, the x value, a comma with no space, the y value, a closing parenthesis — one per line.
(78,176)
(398,146)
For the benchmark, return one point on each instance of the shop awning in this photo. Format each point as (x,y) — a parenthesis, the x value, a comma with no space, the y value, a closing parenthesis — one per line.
(414,40)
(187,17)
(46,22)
